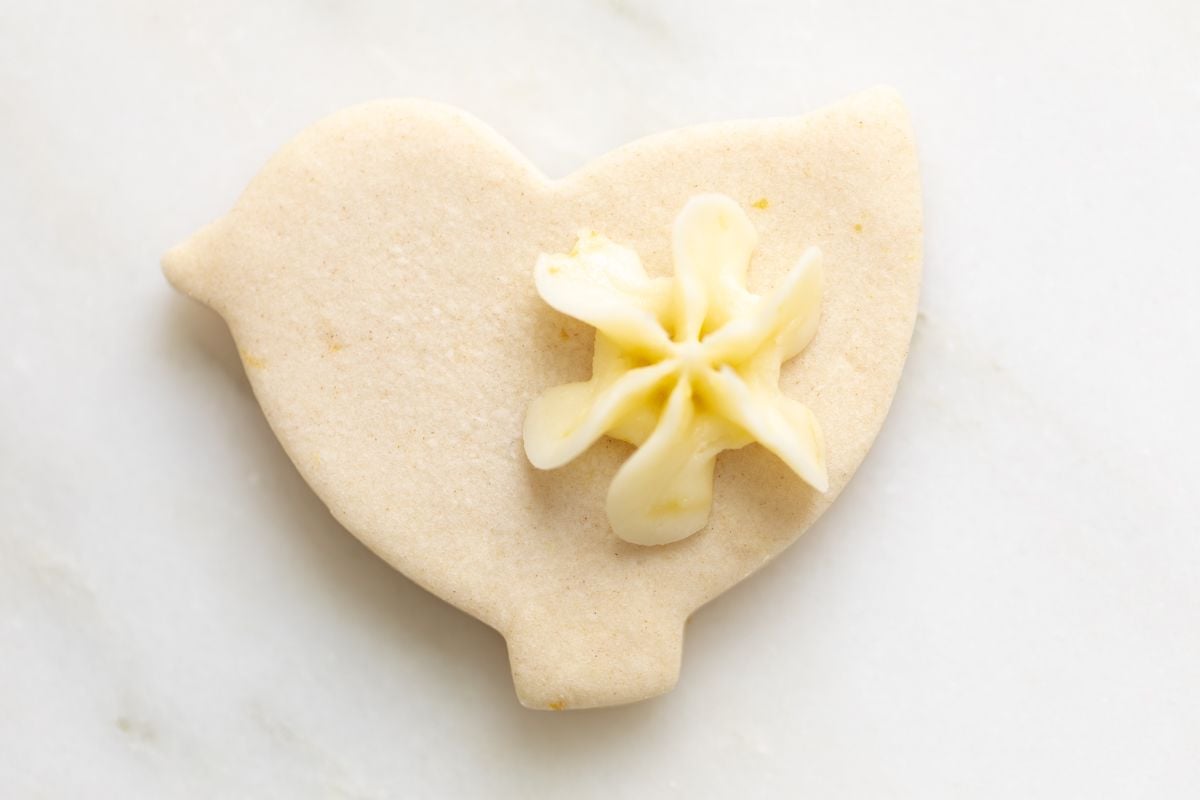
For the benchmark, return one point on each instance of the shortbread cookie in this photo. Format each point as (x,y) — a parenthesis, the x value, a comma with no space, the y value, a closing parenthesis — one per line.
(378,277)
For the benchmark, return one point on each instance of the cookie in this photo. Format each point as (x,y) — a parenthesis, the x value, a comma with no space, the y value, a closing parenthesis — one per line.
(378,277)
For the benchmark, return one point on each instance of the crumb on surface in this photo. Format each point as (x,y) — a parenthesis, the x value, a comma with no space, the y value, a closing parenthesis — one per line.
(761,203)
(858,227)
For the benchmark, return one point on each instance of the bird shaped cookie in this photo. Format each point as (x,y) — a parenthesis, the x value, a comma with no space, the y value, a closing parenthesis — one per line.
(401,285)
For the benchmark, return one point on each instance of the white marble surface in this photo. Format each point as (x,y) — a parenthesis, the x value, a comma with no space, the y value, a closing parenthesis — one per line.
(1006,602)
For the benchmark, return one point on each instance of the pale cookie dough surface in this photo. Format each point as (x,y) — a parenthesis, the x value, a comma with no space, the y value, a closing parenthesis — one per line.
(377,276)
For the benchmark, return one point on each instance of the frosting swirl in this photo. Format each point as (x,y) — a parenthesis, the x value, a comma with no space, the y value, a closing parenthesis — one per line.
(684,367)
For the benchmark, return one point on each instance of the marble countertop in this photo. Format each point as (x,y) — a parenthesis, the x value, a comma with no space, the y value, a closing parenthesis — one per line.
(1004,603)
